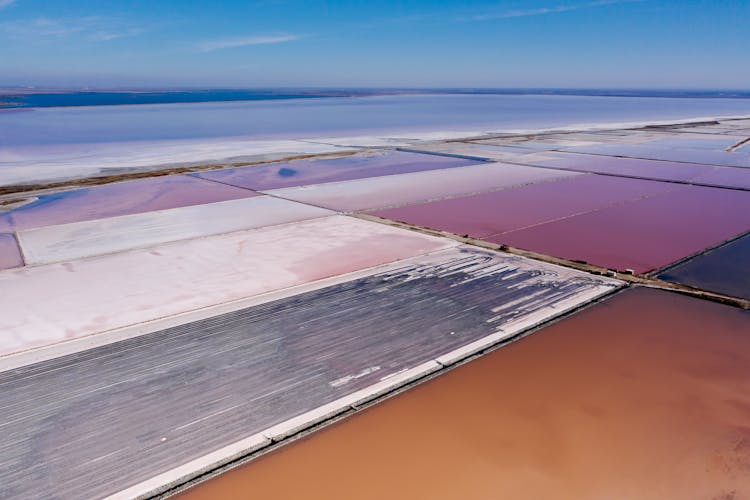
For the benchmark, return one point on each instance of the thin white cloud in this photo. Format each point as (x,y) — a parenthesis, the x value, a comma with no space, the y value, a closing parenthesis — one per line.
(545,10)
(105,36)
(43,28)
(5,3)
(87,28)
(229,43)
(463,15)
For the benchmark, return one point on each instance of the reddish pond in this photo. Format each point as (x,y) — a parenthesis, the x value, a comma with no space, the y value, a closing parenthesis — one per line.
(646,395)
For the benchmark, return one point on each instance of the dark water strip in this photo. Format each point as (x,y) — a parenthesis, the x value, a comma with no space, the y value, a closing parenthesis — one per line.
(71,99)
(725,269)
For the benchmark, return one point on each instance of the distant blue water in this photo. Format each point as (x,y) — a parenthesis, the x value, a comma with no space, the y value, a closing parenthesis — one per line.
(40,99)
(341,116)
(50,143)
(65,99)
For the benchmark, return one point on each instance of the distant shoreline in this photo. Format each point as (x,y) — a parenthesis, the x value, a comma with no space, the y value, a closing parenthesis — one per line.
(11,98)
(110,174)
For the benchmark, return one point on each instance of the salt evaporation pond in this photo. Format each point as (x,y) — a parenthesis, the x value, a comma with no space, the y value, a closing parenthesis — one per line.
(646,395)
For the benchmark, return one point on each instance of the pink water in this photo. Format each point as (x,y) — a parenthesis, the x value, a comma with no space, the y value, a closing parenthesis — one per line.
(509,209)
(139,196)
(642,235)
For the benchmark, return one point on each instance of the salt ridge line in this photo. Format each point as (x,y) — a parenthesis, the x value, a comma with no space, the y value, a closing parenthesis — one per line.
(391,190)
(145,156)
(677,263)
(183,276)
(393,331)
(284,430)
(518,160)
(42,187)
(406,138)
(45,353)
(78,240)
(447,136)
(280,435)
(740,144)
(635,279)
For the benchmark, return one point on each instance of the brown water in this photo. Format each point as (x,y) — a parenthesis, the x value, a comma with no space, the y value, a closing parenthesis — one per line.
(644,396)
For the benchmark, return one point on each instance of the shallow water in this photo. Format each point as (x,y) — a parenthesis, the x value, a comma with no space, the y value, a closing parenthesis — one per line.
(345,116)
(724,270)
(727,176)
(644,396)
(304,172)
(642,235)
(633,167)
(10,255)
(415,187)
(65,135)
(55,99)
(722,176)
(515,208)
(69,242)
(92,422)
(122,198)
(64,301)
(674,151)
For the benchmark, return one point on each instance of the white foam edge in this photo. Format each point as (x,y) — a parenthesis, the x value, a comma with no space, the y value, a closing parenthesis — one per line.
(278,432)
(527,323)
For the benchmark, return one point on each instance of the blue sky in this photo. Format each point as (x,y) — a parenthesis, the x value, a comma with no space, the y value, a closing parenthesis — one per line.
(566,43)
